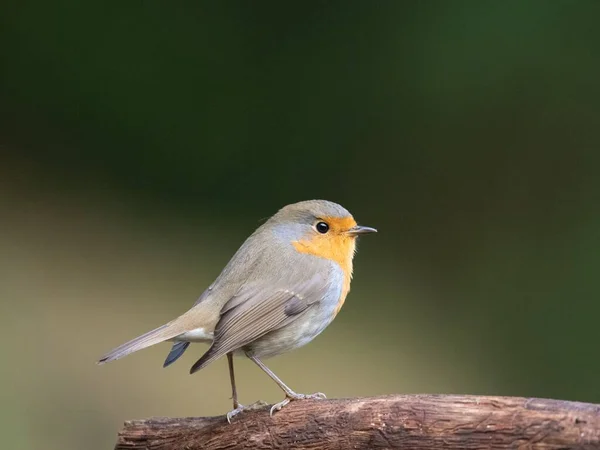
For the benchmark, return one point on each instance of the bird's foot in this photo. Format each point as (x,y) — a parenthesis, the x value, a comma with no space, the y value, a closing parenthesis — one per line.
(293,396)
(234,412)
(256,405)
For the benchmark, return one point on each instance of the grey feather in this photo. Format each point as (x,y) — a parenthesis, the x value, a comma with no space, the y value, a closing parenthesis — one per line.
(295,306)
(155,336)
(176,351)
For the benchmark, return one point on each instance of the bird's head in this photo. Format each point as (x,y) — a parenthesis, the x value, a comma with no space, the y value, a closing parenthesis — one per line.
(321,228)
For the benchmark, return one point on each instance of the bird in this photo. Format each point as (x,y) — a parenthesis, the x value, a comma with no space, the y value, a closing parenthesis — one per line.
(281,289)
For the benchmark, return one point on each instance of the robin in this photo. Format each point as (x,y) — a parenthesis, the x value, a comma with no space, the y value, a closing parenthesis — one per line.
(280,290)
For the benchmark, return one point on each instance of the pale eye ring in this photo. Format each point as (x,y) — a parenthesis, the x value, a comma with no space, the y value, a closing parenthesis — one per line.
(322,227)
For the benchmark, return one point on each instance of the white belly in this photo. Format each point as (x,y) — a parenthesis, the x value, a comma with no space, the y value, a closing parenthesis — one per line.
(197,335)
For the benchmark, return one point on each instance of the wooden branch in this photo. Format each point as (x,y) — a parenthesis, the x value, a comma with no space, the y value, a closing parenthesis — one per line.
(398,421)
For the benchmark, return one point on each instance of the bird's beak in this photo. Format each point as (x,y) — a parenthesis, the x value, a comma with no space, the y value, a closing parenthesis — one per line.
(358,229)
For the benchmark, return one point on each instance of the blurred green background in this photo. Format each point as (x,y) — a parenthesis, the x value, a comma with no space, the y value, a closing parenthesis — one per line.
(141,142)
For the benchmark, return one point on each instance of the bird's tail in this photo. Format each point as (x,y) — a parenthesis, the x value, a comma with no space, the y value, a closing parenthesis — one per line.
(160,334)
(176,351)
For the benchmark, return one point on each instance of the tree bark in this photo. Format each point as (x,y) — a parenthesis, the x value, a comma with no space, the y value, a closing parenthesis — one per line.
(396,421)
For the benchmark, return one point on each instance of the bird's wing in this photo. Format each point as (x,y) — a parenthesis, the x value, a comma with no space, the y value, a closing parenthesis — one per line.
(256,311)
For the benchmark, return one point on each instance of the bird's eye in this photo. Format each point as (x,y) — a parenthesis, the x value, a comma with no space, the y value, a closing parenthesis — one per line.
(322,227)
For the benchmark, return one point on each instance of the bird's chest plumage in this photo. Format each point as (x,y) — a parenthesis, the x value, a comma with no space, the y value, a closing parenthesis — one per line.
(307,326)
(339,252)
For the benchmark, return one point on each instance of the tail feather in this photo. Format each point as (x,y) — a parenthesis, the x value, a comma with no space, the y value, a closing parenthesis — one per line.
(155,336)
(176,352)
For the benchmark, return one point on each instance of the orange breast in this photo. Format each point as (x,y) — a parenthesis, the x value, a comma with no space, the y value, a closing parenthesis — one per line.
(336,246)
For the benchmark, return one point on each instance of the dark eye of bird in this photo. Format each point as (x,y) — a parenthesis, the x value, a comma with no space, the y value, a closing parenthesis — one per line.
(322,227)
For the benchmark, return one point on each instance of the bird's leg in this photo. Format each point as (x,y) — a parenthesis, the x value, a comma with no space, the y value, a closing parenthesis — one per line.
(237,407)
(232,377)
(289,394)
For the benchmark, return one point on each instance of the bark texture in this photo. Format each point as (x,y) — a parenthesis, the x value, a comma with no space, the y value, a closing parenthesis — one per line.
(397,421)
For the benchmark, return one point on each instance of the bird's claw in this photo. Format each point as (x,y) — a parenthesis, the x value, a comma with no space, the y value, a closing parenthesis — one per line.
(317,396)
(293,396)
(239,408)
(278,406)
(231,414)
